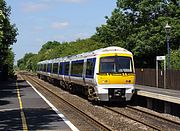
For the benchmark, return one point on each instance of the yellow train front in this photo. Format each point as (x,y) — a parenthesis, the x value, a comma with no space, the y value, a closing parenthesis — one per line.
(114,75)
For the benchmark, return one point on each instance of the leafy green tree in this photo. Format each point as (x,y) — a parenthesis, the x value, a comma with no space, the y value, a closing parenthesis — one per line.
(49,45)
(10,62)
(26,62)
(54,49)
(139,27)
(2,17)
(8,33)
(175,59)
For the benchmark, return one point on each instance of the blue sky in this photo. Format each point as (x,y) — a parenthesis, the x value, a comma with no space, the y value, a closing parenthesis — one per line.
(39,21)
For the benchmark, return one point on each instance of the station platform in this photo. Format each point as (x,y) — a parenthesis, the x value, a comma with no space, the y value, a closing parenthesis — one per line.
(22,108)
(172,96)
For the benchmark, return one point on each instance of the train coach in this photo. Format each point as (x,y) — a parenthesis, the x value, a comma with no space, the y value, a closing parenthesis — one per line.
(106,74)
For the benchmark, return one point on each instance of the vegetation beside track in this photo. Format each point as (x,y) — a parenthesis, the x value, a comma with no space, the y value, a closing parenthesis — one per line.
(135,25)
(8,33)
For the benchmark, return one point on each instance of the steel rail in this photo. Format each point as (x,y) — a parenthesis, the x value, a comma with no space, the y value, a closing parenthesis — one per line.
(154,115)
(91,119)
(135,119)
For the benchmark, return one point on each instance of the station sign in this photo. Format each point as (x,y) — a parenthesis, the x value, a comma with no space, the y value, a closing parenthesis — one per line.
(160,57)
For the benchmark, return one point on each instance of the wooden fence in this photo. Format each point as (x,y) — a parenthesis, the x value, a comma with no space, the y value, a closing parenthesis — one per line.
(148,77)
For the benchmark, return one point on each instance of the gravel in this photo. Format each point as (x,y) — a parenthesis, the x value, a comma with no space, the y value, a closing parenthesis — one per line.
(113,120)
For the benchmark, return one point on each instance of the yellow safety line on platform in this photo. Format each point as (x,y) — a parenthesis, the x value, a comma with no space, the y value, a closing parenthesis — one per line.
(23,118)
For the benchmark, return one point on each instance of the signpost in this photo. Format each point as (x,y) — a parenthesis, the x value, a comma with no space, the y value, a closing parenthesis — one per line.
(161,58)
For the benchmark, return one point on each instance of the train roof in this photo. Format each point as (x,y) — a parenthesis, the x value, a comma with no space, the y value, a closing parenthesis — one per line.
(110,49)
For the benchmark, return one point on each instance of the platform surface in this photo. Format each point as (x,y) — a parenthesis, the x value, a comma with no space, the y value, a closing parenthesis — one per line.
(158,93)
(28,111)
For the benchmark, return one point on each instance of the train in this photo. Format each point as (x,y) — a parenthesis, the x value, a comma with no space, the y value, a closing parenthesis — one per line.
(105,74)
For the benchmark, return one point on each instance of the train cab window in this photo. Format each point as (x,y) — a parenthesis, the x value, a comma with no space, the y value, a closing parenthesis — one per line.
(124,64)
(55,68)
(77,68)
(90,68)
(66,68)
(116,64)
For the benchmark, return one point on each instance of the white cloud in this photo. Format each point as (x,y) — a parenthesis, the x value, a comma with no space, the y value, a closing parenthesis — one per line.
(33,7)
(59,25)
(67,1)
(73,1)
(44,4)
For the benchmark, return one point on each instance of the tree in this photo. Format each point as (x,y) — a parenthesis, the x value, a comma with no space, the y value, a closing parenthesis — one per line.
(26,61)
(54,49)
(10,62)
(175,59)
(8,33)
(139,27)
(2,17)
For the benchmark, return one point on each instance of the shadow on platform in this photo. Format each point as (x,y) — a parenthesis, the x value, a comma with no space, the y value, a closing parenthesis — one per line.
(8,89)
(37,119)
(10,114)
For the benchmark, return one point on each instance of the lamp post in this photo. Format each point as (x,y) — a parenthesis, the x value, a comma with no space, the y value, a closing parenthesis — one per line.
(168,29)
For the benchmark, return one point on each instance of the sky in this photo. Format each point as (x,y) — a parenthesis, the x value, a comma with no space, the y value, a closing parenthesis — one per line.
(40,21)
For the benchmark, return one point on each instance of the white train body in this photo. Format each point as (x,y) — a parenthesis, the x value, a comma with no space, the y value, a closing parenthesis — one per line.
(106,74)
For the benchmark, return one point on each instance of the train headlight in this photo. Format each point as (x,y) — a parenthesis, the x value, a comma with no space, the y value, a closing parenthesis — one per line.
(128,81)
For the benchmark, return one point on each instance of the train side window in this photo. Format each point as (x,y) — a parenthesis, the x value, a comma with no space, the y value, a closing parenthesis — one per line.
(44,67)
(66,68)
(38,69)
(41,67)
(55,68)
(90,68)
(49,68)
(77,68)
(60,68)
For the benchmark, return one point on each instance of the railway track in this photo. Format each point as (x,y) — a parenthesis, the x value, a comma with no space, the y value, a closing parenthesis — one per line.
(148,119)
(94,122)
(151,120)
(154,115)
